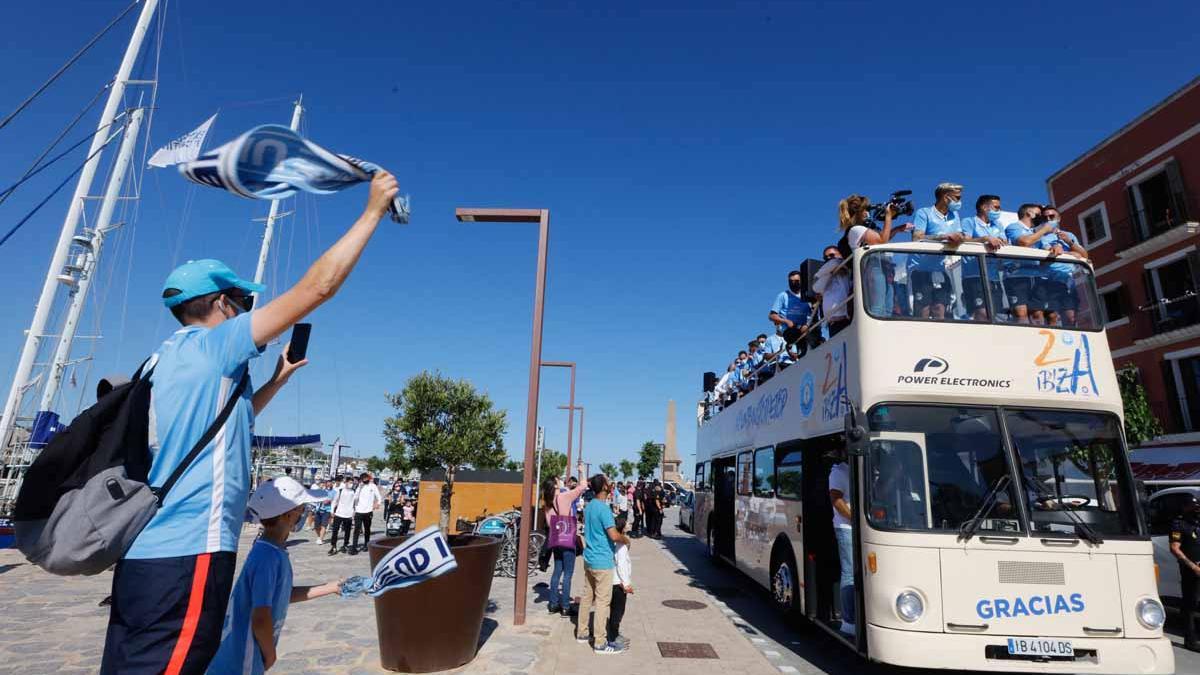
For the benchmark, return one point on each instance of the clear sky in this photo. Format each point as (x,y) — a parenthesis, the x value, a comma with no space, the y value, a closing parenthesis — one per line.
(691,154)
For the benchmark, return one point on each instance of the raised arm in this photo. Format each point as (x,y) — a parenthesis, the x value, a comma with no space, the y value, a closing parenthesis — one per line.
(329,272)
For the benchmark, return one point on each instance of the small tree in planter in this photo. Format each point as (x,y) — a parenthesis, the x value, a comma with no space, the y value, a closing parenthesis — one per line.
(446,424)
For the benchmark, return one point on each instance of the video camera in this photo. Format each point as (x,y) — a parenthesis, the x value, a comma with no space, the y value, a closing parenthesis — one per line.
(900,206)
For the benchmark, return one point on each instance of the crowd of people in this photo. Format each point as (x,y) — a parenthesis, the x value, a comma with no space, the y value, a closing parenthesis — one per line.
(917,285)
(600,518)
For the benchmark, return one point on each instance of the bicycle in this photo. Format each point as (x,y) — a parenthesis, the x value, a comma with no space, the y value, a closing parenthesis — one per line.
(507,526)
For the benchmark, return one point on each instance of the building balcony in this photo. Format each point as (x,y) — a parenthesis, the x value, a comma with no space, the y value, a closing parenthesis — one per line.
(1155,227)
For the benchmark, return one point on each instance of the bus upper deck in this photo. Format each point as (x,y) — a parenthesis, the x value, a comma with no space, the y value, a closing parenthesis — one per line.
(992,499)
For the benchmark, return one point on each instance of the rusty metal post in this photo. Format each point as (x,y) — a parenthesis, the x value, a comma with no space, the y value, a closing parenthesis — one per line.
(581,433)
(570,405)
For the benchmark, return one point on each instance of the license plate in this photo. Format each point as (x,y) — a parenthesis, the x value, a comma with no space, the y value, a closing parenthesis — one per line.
(1040,647)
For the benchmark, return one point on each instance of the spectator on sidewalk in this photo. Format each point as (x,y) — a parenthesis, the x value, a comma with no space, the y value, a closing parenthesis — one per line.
(366,500)
(408,516)
(560,504)
(343,515)
(322,514)
(395,499)
(639,508)
(264,589)
(600,535)
(621,501)
(622,588)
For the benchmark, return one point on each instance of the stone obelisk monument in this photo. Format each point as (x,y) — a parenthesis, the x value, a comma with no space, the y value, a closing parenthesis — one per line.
(671,461)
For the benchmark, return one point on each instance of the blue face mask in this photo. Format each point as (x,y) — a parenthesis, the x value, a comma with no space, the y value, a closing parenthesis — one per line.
(954,206)
(993,217)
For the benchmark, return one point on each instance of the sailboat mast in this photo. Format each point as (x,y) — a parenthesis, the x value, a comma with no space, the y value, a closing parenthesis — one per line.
(41,313)
(273,213)
(91,253)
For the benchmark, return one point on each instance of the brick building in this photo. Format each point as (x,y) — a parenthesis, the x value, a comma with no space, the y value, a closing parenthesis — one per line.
(1134,201)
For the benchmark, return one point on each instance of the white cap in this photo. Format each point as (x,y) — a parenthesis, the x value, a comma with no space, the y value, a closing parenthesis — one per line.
(277,496)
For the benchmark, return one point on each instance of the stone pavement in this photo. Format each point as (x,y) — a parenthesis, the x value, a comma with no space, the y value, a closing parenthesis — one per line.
(53,624)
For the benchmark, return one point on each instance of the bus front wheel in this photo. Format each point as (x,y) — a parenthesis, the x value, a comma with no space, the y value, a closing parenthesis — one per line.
(710,543)
(785,586)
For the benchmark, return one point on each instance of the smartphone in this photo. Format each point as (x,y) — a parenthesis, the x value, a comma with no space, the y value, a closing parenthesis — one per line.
(299,346)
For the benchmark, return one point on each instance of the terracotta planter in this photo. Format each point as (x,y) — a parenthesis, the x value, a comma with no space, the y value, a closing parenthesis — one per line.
(435,625)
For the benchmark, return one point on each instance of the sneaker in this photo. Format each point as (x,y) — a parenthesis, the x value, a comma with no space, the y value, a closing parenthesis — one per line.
(333,551)
(343,550)
(622,640)
(610,648)
(554,609)
(847,629)
(353,550)
(582,639)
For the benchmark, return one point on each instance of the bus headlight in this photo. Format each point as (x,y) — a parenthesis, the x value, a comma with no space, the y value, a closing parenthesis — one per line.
(909,606)
(1150,613)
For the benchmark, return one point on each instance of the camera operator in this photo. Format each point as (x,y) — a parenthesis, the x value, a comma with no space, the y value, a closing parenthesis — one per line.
(940,222)
(983,227)
(854,220)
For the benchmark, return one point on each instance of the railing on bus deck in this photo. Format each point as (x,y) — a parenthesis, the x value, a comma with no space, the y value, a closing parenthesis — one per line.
(710,404)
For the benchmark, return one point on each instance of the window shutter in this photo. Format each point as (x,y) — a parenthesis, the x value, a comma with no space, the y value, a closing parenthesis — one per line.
(1135,218)
(1172,403)
(1151,315)
(1179,206)
(1193,260)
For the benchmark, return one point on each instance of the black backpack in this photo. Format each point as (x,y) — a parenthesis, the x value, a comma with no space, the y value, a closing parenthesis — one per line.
(85,498)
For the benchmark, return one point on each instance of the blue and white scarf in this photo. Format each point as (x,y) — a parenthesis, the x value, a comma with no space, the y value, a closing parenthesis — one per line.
(274,162)
(421,557)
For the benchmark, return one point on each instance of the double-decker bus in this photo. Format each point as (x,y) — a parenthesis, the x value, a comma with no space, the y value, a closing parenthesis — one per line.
(994,520)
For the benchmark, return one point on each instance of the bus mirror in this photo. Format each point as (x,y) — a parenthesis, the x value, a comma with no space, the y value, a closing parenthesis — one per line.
(855,435)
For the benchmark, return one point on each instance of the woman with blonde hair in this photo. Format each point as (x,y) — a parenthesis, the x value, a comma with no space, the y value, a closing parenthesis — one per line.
(854,218)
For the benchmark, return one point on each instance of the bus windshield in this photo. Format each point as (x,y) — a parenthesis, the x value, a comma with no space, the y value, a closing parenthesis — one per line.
(951,287)
(939,468)
(1072,461)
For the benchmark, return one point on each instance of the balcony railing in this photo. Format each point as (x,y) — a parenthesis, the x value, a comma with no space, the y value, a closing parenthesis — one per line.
(1149,223)
(1165,316)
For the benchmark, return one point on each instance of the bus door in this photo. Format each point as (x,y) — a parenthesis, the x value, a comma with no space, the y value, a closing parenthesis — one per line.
(724,498)
(821,570)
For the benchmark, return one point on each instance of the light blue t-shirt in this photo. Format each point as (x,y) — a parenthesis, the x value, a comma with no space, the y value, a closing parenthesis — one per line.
(266,581)
(597,518)
(197,370)
(1062,271)
(776,343)
(791,306)
(930,222)
(975,227)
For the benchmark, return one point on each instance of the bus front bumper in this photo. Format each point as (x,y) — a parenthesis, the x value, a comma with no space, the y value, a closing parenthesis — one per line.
(971,652)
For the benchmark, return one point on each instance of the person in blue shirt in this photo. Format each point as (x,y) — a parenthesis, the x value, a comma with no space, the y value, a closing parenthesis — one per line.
(1061,289)
(171,587)
(983,227)
(791,311)
(1021,279)
(600,537)
(776,352)
(930,285)
(264,590)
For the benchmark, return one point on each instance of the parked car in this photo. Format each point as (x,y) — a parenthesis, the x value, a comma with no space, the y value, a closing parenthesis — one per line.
(687,514)
(1165,506)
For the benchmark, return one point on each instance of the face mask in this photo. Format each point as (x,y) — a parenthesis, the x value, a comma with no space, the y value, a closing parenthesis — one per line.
(762,343)
(993,217)
(954,206)
(794,286)
(1051,222)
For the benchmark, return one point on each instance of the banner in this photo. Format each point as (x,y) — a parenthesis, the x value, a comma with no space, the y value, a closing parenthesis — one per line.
(183,149)
(421,557)
(274,162)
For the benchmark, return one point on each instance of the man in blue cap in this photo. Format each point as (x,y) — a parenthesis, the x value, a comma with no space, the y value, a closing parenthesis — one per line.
(171,589)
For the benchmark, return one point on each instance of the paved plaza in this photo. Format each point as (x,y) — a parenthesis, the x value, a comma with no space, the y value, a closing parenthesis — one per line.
(54,624)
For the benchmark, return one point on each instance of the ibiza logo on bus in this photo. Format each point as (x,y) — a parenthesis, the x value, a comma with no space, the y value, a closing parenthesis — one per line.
(1074,375)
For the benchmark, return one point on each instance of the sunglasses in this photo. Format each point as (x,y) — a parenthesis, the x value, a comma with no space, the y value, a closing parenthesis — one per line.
(246,302)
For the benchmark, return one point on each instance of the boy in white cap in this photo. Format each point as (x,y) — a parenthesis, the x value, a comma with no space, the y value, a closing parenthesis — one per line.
(264,590)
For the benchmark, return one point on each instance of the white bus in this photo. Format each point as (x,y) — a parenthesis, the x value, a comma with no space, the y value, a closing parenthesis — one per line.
(995,521)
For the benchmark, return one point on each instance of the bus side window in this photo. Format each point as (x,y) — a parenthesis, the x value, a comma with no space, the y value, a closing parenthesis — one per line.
(764,472)
(699,485)
(745,472)
(788,473)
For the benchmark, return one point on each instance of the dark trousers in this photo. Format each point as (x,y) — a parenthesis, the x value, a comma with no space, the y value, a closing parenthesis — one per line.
(344,525)
(362,523)
(1190,586)
(638,518)
(167,613)
(654,522)
(616,612)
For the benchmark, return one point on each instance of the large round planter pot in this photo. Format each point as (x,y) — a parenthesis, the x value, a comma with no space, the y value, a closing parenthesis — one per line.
(435,625)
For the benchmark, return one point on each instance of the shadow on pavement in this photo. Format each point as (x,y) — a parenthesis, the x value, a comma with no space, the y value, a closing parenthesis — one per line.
(5,568)
(485,632)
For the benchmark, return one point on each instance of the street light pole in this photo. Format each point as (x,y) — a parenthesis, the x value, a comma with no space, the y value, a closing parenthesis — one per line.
(570,404)
(542,218)
(581,433)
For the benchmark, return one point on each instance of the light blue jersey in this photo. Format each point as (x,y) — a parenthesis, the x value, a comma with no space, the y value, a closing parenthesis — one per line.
(975,227)
(929,222)
(791,306)
(266,581)
(1062,271)
(197,370)
(774,344)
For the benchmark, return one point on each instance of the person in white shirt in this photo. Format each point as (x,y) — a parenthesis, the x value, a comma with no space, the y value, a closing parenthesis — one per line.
(833,285)
(621,501)
(343,513)
(622,587)
(839,496)
(366,500)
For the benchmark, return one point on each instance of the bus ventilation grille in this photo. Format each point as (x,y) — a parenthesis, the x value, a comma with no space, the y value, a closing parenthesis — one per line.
(1024,572)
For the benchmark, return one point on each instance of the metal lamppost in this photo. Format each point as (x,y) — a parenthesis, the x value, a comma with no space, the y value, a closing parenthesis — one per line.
(570,408)
(542,217)
(570,404)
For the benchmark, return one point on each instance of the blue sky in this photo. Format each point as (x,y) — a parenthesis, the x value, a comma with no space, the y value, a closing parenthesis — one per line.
(690,155)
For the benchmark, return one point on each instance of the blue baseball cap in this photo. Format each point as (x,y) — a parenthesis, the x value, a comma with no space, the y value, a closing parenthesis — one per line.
(201,277)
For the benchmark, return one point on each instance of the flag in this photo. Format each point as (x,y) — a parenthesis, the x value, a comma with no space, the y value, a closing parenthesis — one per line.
(183,149)
(421,557)
(274,162)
